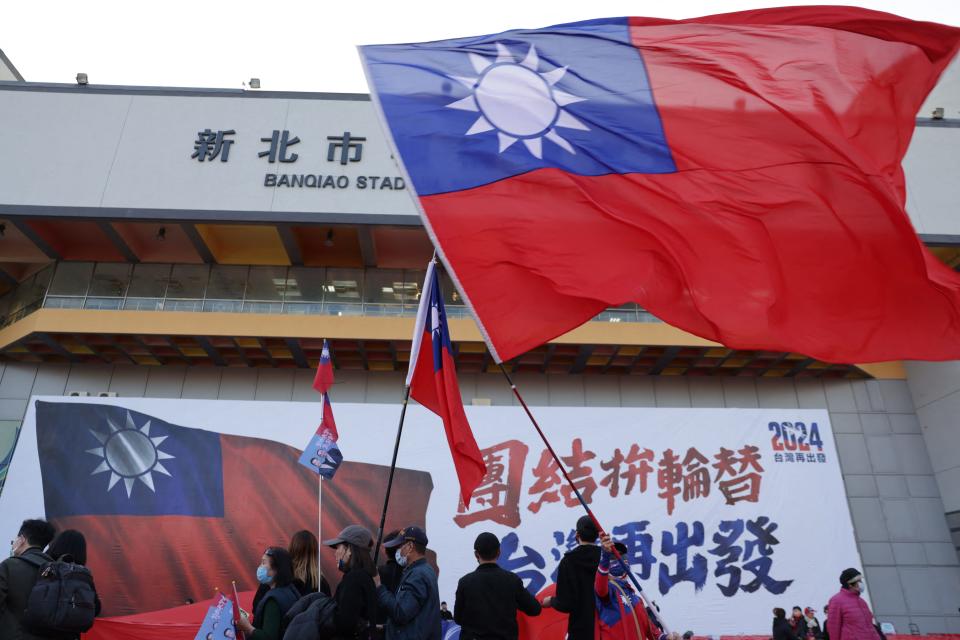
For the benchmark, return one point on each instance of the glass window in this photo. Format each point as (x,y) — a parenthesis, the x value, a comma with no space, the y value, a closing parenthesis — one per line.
(188,281)
(227,282)
(304,284)
(450,294)
(110,280)
(71,279)
(149,281)
(268,283)
(384,286)
(343,285)
(29,293)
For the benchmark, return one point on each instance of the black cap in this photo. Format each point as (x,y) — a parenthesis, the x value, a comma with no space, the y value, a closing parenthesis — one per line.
(848,576)
(487,545)
(407,534)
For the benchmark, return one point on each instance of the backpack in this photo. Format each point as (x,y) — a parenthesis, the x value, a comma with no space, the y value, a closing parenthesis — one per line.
(311,618)
(63,600)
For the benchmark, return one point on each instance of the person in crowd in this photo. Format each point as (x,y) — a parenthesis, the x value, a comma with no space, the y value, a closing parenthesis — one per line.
(489,597)
(71,545)
(304,552)
(813,625)
(798,625)
(18,575)
(575,578)
(687,635)
(274,599)
(356,595)
(390,572)
(413,611)
(824,634)
(850,617)
(445,613)
(781,627)
(621,614)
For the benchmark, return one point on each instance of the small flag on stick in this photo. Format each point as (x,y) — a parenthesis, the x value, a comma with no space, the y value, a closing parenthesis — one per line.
(218,624)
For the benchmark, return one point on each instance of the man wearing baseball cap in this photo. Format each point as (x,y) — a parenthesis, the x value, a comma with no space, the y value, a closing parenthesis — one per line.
(850,616)
(413,612)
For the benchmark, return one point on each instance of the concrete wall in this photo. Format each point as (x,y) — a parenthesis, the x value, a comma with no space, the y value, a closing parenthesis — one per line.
(911,565)
(935,387)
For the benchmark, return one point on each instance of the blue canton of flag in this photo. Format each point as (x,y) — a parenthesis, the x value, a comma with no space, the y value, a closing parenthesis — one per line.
(107,460)
(586,108)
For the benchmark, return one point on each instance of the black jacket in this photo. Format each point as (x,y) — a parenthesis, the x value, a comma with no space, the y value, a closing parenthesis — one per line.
(356,599)
(487,604)
(17,578)
(575,577)
(390,575)
(782,630)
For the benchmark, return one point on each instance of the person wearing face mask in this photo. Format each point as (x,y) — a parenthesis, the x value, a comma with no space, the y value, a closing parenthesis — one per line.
(356,595)
(797,624)
(18,575)
(850,617)
(274,598)
(813,625)
(621,614)
(413,611)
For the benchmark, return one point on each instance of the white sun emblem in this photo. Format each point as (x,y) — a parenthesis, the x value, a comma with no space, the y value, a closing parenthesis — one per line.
(518,101)
(129,454)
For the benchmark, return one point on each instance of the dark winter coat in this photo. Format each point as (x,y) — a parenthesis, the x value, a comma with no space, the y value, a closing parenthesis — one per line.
(575,577)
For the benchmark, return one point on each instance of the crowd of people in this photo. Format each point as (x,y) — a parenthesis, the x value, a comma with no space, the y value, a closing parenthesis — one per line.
(846,617)
(399,599)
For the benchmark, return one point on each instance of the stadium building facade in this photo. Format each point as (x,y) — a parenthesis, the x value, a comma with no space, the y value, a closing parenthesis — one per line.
(192,243)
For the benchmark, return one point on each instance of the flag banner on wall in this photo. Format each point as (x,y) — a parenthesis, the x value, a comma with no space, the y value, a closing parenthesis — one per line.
(737,175)
(706,500)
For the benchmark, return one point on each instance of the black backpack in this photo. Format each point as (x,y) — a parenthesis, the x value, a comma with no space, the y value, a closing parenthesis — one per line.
(63,600)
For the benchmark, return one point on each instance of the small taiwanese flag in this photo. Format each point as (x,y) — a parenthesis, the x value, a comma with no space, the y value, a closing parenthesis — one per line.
(324,378)
(432,379)
(321,454)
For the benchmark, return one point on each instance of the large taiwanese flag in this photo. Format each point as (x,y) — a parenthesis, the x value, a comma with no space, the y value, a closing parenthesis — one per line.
(737,175)
(169,512)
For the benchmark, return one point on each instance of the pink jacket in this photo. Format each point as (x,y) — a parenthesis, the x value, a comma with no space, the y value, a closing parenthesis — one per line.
(850,618)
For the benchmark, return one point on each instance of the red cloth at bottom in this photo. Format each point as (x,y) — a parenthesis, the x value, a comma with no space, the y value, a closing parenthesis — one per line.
(178,623)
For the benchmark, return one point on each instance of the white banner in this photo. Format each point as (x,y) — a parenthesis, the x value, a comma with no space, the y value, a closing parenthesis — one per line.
(726,513)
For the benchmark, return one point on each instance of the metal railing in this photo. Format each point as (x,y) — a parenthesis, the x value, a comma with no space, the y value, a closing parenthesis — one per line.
(296,291)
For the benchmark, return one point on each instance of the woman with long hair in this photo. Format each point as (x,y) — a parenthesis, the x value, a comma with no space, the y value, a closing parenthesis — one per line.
(304,552)
(71,546)
(356,595)
(275,597)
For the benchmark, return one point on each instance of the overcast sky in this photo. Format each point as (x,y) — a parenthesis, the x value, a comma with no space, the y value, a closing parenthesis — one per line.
(295,45)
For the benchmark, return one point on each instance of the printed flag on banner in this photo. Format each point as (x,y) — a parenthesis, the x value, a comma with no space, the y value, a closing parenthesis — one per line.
(199,499)
(218,623)
(323,380)
(321,454)
(432,378)
(737,175)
